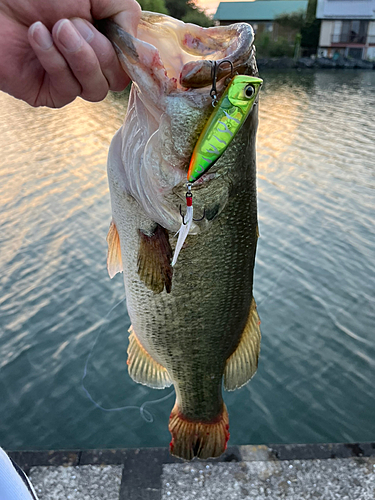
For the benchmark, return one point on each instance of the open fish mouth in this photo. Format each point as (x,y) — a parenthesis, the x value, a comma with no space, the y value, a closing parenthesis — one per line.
(170,64)
(177,55)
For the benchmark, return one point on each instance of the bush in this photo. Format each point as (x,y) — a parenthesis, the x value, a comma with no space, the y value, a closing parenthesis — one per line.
(187,11)
(294,21)
(154,6)
(270,48)
(197,16)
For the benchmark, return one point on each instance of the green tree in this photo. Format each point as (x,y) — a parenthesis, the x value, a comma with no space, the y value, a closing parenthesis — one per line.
(306,24)
(197,16)
(177,8)
(154,6)
(311,11)
(187,11)
(271,48)
(294,21)
(311,29)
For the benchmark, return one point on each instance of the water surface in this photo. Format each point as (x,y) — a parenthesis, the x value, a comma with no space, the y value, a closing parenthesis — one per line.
(314,277)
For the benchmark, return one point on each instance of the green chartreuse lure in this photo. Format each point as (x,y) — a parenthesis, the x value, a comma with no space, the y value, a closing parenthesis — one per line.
(226,120)
(221,128)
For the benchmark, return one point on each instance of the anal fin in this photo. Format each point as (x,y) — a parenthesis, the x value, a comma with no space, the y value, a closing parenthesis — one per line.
(243,363)
(114,260)
(143,368)
(154,260)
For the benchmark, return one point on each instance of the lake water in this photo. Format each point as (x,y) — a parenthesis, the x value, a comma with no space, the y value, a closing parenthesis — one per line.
(314,276)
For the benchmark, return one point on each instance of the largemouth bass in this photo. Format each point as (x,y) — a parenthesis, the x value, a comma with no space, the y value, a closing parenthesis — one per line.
(196,324)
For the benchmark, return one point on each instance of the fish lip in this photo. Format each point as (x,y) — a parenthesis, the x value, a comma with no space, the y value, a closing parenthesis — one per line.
(199,74)
(190,66)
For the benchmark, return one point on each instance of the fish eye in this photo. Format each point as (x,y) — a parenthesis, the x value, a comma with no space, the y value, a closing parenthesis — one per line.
(249,91)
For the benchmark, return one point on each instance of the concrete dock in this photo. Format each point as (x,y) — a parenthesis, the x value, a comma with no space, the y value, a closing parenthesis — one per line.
(290,472)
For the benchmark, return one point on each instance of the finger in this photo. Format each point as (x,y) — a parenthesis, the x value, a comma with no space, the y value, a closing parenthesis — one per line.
(126,14)
(64,87)
(81,59)
(108,60)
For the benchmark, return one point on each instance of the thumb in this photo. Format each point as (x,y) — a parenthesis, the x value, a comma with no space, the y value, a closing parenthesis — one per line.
(126,13)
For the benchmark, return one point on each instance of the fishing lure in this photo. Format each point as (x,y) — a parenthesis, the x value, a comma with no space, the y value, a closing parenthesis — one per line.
(229,114)
(224,123)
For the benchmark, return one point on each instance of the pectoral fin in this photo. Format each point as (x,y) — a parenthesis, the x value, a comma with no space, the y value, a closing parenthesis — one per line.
(243,363)
(143,368)
(154,260)
(114,260)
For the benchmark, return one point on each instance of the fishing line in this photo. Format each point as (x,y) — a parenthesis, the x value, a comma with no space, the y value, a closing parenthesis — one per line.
(145,414)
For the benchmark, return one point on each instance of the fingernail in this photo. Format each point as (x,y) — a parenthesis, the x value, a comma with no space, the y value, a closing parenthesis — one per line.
(84,29)
(41,35)
(68,36)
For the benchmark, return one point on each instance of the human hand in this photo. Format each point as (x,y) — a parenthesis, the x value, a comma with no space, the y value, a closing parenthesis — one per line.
(48,60)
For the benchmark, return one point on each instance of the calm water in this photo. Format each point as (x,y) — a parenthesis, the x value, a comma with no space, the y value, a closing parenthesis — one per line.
(314,278)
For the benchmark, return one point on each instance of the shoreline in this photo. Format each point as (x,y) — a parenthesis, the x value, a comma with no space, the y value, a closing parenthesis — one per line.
(318,63)
(30,458)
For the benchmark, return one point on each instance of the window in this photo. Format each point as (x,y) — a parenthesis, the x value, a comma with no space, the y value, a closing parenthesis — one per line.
(354,31)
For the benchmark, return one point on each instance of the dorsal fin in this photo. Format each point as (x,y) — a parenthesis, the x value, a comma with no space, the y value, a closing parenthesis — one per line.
(114,260)
(243,363)
(154,260)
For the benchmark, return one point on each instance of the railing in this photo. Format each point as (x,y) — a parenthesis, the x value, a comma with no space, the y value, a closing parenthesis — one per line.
(349,38)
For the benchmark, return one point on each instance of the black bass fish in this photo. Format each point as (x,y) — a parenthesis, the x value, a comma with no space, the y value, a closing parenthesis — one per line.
(194,324)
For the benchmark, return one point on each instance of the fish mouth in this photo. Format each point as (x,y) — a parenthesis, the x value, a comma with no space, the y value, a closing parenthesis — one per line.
(178,56)
(170,64)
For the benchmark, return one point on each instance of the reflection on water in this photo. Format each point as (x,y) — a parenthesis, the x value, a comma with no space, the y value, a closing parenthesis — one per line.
(314,280)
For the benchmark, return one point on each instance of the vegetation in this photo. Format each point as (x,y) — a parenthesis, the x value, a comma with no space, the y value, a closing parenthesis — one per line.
(197,16)
(306,27)
(266,47)
(186,10)
(293,21)
(310,31)
(154,6)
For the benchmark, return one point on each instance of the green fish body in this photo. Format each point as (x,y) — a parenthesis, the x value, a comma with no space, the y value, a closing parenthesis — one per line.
(193,325)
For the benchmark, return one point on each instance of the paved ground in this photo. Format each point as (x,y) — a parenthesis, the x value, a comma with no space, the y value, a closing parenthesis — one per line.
(330,479)
(89,482)
(289,472)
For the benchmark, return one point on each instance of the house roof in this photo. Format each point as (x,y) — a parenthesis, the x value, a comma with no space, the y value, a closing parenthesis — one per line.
(260,10)
(343,9)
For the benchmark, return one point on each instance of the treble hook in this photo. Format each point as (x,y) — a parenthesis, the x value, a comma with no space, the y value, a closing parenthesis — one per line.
(214,70)
(195,220)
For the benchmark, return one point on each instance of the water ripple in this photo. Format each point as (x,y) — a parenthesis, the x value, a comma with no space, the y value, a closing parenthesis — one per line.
(314,279)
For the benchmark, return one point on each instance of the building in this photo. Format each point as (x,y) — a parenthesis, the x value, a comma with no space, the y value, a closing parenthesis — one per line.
(261,14)
(348,28)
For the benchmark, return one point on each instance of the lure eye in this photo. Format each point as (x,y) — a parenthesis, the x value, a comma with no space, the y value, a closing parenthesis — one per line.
(249,91)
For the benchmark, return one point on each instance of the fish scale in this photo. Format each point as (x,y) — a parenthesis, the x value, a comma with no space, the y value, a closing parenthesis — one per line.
(195,324)
(220,260)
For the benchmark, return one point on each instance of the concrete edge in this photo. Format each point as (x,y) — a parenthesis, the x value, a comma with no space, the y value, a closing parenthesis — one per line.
(27,459)
(142,468)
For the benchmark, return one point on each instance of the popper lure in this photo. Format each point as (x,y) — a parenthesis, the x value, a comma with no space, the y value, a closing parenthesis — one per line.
(227,118)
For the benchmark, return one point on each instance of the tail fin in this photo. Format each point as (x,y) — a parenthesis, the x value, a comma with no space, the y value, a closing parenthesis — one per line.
(198,439)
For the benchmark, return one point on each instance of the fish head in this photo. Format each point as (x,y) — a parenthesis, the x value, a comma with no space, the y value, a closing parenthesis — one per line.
(170,64)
